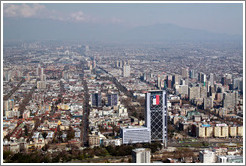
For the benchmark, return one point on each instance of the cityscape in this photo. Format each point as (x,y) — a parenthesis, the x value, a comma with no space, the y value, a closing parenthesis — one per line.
(147,95)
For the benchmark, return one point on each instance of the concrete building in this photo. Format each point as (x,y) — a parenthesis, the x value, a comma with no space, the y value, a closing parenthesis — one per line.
(7,75)
(194,92)
(176,79)
(141,155)
(185,72)
(233,131)
(207,156)
(39,70)
(203,78)
(221,130)
(41,84)
(159,81)
(112,99)
(209,131)
(122,112)
(113,142)
(217,131)
(192,74)
(136,134)
(204,131)
(236,83)
(230,159)
(96,100)
(225,131)
(226,79)
(211,79)
(208,103)
(230,99)
(94,140)
(126,70)
(43,77)
(240,131)
(200,132)
(203,92)
(183,90)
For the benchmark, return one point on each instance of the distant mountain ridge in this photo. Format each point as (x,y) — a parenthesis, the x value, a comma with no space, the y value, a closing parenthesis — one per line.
(34,29)
(170,32)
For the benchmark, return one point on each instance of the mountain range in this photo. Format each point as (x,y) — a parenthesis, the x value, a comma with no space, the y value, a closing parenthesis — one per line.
(34,29)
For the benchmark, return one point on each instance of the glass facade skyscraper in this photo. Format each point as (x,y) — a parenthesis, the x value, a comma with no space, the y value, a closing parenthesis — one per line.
(96,100)
(156,115)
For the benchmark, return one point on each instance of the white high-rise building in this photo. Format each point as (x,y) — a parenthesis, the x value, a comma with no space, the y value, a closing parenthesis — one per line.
(126,70)
(185,72)
(211,79)
(230,99)
(87,48)
(141,155)
(207,156)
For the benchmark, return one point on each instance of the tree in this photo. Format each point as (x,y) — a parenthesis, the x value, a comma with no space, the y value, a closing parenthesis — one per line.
(7,154)
(70,133)
(45,147)
(26,130)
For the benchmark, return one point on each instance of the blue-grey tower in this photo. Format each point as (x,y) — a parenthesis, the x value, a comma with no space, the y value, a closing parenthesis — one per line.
(156,115)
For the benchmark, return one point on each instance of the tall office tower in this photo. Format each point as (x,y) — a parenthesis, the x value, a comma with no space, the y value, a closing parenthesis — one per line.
(141,155)
(237,83)
(185,72)
(203,78)
(194,92)
(192,73)
(159,81)
(146,76)
(211,79)
(120,63)
(156,115)
(94,63)
(7,75)
(43,77)
(42,71)
(8,105)
(169,81)
(126,71)
(116,65)
(199,77)
(230,99)
(176,79)
(87,48)
(226,79)
(125,63)
(183,91)
(96,100)
(39,70)
(203,92)
(208,103)
(128,63)
(112,99)
(41,84)
(240,88)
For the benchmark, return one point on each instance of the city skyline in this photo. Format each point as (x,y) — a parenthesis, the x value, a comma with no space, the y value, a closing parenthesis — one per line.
(126,82)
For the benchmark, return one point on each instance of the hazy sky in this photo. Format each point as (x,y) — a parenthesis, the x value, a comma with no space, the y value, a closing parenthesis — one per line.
(220,17)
